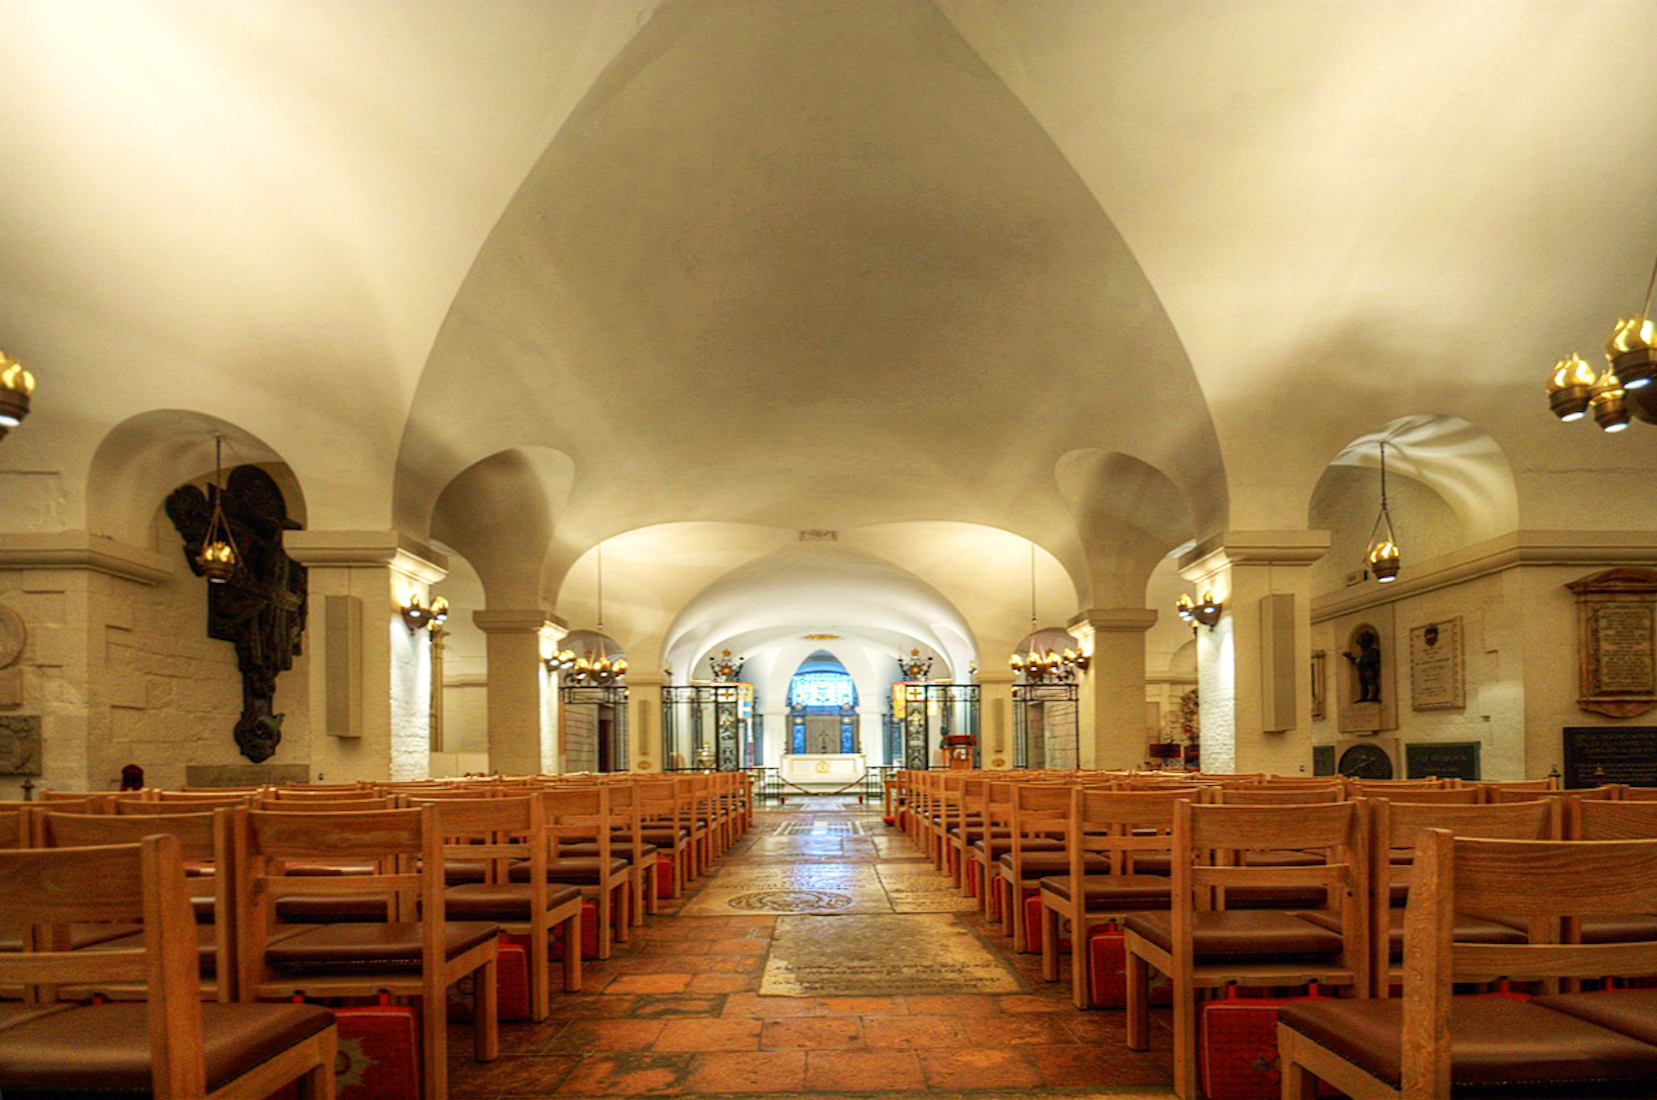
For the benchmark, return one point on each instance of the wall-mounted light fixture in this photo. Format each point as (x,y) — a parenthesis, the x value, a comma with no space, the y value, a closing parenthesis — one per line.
(16,386)
(1205,611)
(419,617)
(914,666)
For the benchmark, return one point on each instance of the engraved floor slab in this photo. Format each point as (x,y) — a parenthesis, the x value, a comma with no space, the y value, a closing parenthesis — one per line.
(919,888)
(856,956)
(791,888)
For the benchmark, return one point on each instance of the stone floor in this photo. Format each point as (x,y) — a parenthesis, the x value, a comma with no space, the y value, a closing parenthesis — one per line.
(928,999)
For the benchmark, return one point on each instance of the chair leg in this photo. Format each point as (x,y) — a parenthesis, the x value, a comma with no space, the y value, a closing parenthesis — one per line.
(623,910)
(434,1046)
(605,921)
(1185,1041)
(1299,1083)
(1139,995)
(486,1034)
(572,951)
(1081,965)
(1050,944)
(540,975)
(317,1083)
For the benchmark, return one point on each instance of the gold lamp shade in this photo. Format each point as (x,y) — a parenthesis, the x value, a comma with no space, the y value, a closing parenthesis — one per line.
(16,387)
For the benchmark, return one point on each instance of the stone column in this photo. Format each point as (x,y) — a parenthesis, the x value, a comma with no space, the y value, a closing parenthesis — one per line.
(523,696)
(370,688)
(1110,708)
(644,722)
(995,719)
(1243,568)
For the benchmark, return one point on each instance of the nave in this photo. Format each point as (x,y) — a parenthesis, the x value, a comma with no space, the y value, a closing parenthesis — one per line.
(684,1009)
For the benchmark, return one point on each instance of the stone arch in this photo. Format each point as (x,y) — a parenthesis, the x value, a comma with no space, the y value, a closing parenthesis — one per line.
(148,455)
(500,514)
(1129,515)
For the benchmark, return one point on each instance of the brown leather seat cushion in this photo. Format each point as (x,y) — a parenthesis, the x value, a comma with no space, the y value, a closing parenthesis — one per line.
(331,908)
(207,949)
(1226,934)
(1467,930)
(1000,845)
(80,935)
(666,838)
(1282,858)
(457,871)
(346,948)
(1040,864)
(13,1014)
(1495,1043)
(104,1050)
(1630,1012)
(1115,892)
(1275,897)
(578,869)
(619,849)
(504,902)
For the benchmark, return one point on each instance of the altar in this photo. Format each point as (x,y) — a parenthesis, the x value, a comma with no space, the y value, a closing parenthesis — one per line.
(822,771)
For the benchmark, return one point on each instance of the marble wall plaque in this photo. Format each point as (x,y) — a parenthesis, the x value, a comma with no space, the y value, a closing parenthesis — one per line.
(1595,755)
(1436,680)
(1617,641)
(20,744)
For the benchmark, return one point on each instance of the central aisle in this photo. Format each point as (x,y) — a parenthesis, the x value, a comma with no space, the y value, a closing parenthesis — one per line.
(822,954)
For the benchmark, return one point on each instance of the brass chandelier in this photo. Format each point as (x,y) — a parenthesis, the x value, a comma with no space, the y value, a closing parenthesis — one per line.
(599,668)
(218,558)
(1038,663)
(16,387)
(1383,555)
(1624,389)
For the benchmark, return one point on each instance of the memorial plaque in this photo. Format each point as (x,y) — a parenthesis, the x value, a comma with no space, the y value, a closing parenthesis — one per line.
(20,744)
(1617,641)
(1436,681)
(1323,760)
(1595,755)
(867,956)
(1444,759)
(246,775)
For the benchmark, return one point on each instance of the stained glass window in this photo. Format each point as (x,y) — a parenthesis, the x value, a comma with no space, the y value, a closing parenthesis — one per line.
(822,689)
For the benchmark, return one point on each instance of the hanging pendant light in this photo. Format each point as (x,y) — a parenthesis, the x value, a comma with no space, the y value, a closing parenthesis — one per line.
(1384,555)
(1624,389)
(1036,662)
(592,667)
(16,387)
(218,558)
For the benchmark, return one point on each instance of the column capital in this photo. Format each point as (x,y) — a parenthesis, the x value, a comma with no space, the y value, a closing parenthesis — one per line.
(1231,548)
(368,550)
(530,620)
(1112,620)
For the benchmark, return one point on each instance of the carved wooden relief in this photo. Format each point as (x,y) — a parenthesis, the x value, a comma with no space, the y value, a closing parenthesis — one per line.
(261,609)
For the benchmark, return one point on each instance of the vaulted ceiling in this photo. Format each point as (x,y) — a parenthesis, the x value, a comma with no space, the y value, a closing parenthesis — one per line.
(943,277)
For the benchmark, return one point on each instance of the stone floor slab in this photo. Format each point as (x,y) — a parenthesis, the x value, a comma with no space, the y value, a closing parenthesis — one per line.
(881,955)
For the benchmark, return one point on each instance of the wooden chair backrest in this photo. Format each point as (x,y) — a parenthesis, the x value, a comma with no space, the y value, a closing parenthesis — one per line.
(577,813)
(1428,796)
(1638,794)
(1597,820)
(332,805)
(129,808)
(1123,824)
(659,802)
(1549,784)
(14,824)
(308,793)
(1038,809)
(1218,839)
(41,888)
(1267,796)
(94,803)
(499,830)
(393,842)
(206,794)
(1540,882)
(1592,794)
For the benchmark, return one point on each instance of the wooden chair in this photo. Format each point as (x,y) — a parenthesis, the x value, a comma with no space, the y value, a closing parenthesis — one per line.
(1595,819)
(1432,1044)
(581,814)
(663,823)
(1440,796)
(204,840)
(1201,947)
(415,954)
(1040,812)
(628,840)
(130,808)
(1120,826)
(1270,796)
(1491,785)
(171,1046)
(502,831)
(1521,794)
(1394,827)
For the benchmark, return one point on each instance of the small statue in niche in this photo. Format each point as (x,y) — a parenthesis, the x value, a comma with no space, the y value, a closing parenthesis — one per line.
(1367,662)
(261,608)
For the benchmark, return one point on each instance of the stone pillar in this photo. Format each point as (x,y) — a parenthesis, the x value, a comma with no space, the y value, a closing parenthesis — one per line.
(370,691)
(1242,568)
(1110,708)
(995,719)
(644,722)
(523,695)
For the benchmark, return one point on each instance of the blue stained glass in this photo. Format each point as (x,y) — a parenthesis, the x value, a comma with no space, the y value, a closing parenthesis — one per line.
(822,689)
